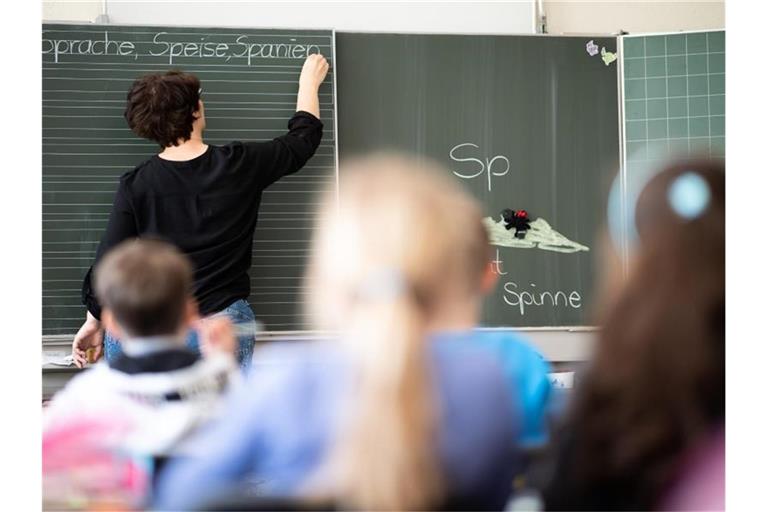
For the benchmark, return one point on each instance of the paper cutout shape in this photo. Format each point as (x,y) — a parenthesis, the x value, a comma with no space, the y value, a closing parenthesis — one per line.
(592,48)
(540,236)
(608,57)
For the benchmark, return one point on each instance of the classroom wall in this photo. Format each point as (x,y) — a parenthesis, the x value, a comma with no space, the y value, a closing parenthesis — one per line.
(564,17)
(63,10)
(383,16)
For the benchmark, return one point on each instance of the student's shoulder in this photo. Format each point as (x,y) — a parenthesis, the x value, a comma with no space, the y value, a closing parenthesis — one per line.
(299,351)
(507,344)
(300,357)
(89,376)
(313,365)
(89,386)
(205,377)
(456,359)
(512,353)
(472,386)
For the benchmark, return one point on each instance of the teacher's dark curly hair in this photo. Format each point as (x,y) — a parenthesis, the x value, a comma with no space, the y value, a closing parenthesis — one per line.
(163,106)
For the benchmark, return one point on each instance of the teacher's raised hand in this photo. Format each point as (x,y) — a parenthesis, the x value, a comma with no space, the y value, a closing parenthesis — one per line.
(312,75)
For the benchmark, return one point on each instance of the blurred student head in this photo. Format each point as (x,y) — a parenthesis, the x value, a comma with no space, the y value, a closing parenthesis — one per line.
(656,384)
(402,252)
(401,228)
(145,287)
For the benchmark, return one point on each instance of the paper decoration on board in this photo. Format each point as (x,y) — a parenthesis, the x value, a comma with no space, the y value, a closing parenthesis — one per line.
(608,57)
(539,236)
(592,48)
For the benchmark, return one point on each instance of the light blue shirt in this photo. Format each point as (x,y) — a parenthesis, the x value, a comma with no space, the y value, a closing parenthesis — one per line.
(277,430)
(526,374)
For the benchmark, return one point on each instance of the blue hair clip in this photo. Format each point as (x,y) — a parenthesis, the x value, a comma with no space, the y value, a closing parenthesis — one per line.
(689,195)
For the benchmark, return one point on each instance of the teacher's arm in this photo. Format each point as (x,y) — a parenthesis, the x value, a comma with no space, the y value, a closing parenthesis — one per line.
(121,226)
(312,75)
(288,153)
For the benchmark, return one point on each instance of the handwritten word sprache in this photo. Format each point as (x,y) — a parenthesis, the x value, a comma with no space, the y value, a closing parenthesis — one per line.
(162,46)
(101,46)
(490,167)
(520,299)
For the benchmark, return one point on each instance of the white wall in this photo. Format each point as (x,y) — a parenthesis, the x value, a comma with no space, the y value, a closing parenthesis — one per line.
(62,10)
(516,17)
(513,17)
(608,17)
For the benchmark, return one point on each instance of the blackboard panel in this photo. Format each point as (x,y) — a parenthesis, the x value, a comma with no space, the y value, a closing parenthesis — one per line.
(674,96)
(87,145)
(542,103)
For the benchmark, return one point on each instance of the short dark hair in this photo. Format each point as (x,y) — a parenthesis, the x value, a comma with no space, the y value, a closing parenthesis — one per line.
(161,107)
(145,284)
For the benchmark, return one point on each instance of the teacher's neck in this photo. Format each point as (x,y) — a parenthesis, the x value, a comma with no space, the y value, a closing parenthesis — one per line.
(186,149)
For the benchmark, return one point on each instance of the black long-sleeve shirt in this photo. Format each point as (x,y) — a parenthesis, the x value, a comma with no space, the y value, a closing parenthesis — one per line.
(207,207)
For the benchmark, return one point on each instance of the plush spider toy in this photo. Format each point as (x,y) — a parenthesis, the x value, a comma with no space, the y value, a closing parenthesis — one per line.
(517,219)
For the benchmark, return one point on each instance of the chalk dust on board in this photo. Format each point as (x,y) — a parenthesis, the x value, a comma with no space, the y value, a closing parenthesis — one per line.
(540,236)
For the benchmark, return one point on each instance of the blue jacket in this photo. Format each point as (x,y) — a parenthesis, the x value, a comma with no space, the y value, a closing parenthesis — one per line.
(525,372)
(277,429)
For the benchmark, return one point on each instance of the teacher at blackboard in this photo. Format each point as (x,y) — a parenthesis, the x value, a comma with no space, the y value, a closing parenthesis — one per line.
(202,198)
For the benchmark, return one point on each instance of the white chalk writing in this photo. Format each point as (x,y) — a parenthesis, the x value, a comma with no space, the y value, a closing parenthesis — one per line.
(496,265)
(520,299)
(167,45)
(481,167)
(100,46)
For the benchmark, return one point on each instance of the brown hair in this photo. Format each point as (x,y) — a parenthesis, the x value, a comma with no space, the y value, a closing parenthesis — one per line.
(146,285)
(162,107)
(656,384)
(402,238)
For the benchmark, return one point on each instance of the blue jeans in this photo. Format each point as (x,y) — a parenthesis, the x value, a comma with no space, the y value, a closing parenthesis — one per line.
(239,312)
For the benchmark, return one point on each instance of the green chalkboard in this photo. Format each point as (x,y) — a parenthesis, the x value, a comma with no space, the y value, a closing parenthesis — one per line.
(249,79)
(674,96)
(523,122)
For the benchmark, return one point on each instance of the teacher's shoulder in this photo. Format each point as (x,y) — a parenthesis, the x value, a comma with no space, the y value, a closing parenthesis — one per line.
(233,149)
(138,178)
(238,153)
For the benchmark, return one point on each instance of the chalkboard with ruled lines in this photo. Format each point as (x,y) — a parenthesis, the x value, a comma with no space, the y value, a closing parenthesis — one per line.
(249,79)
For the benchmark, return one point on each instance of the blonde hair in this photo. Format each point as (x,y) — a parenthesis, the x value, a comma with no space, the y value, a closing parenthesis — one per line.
(402,238)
